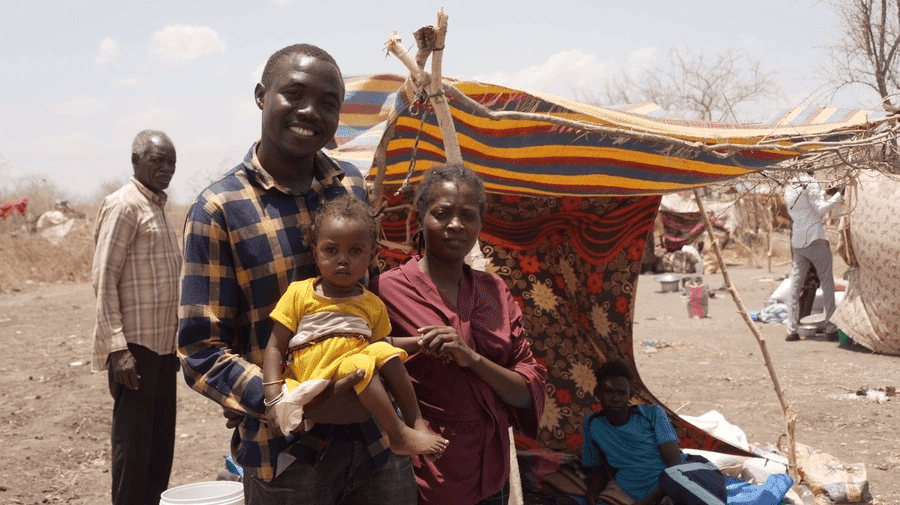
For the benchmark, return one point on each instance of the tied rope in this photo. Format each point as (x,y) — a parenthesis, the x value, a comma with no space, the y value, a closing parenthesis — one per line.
(421,100)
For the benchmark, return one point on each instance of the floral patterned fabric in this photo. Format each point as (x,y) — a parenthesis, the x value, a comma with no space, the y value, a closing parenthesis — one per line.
(572,264)
(869,312)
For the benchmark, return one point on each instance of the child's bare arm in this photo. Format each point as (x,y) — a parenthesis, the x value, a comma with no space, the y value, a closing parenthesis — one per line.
(273,361)
(597,479)
(409,344)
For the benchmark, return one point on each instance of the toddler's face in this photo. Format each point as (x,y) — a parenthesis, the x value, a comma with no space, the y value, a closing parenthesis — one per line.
(343,251)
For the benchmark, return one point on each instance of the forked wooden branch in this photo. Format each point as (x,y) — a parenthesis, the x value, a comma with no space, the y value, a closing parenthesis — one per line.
(790,416)
(431,84)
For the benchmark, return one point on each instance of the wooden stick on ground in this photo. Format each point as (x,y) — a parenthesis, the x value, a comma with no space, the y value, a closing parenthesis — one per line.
(790,416)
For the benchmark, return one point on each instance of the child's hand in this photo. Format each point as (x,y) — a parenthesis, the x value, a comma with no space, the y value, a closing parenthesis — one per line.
(272,421)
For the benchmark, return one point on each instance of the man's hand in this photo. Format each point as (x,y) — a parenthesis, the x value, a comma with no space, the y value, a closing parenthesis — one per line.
(232,418)
(124,368)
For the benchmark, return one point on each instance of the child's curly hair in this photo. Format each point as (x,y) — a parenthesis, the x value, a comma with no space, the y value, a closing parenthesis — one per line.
(611,369)
(346,206)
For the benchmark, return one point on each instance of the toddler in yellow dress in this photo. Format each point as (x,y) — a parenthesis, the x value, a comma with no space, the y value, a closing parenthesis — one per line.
(330,326)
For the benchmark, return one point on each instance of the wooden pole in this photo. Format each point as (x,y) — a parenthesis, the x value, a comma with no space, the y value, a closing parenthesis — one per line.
(432,83)
(770,218)
(431,41)
(790,416)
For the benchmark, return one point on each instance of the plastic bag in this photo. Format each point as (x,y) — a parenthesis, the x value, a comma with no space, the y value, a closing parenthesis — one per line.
(774,313)
(829,476)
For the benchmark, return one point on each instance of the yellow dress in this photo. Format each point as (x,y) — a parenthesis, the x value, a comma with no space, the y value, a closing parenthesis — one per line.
(314,359)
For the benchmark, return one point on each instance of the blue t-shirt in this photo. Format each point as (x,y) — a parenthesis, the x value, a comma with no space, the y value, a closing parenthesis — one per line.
(632,448)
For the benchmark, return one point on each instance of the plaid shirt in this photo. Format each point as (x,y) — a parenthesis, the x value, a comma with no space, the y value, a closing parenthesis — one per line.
(243,246)
(134,273)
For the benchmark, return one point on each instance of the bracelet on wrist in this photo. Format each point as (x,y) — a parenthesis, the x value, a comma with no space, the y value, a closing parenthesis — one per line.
(273,401)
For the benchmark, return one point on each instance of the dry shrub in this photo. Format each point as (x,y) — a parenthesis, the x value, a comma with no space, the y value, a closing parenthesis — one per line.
(28,260)
(42,197)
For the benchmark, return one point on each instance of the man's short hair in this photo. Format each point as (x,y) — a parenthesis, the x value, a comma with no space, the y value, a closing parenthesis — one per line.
(142,143)
(612,369)
(304,49)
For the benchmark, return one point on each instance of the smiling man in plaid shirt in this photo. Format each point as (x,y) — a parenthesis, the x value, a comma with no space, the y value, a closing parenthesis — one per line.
(243,246)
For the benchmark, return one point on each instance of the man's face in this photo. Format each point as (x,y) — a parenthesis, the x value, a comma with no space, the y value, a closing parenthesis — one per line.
(615,392)
(301,106)
(157,165)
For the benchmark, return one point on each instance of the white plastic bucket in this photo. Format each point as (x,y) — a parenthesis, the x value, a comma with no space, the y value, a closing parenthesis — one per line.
(219,492)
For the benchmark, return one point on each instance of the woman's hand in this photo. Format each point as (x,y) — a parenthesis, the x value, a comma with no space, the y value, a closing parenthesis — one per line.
(443,342)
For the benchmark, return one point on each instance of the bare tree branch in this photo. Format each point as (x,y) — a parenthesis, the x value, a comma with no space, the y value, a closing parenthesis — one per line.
(693,85)
(867,53)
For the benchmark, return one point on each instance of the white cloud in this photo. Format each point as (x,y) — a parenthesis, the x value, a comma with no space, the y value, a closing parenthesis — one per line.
(108,52)
(281,2)
(128,82)
(562,74)
(246,110)
(62,146)
(152,118)
(256,76)
(81,106)
(642,58)
(178,43)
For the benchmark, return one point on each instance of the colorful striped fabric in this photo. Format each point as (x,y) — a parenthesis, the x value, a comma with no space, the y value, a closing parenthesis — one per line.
(569,213)
(540,158)
(367,101)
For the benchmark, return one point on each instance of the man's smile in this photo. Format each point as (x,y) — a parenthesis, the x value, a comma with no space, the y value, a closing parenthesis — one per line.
(299,130)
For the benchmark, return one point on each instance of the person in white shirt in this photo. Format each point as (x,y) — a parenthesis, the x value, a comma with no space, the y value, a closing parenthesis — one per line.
(807,203)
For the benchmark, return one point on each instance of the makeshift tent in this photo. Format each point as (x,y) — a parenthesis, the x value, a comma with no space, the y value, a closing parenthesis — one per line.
(681,220)
(870,312)
(569,213)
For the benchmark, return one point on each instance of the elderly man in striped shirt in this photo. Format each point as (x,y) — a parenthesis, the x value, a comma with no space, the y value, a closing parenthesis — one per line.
(135,273)
(807,204)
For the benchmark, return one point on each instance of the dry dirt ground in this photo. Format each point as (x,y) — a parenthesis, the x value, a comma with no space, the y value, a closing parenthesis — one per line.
(716,364)
(54,413)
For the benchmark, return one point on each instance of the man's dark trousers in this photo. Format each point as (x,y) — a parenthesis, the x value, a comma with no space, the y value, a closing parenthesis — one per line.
(143,429)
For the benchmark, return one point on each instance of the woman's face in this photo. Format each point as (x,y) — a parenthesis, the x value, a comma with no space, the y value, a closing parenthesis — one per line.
(452,222)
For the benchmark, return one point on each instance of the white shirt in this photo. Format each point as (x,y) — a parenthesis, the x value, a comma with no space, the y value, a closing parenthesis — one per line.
(807,204)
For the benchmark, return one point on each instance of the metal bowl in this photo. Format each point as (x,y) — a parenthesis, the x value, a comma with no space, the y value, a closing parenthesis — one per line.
(668,283)
(815,320)
(806,330)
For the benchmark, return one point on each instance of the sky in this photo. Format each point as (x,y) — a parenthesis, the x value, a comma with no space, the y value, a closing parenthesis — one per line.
(80,79)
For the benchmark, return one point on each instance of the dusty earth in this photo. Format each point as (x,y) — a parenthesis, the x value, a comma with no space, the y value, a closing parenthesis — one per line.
(54,413)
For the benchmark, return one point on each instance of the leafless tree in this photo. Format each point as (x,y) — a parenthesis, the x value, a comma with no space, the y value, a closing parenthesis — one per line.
(106,187)
(693,85)
(867,53)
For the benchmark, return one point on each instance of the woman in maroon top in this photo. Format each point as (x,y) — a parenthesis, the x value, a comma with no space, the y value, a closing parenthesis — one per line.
(471,366)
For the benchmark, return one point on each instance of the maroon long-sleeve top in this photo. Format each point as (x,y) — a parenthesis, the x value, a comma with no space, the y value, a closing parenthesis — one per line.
(454,401)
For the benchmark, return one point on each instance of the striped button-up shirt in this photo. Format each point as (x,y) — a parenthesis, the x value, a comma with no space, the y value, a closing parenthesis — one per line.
(135,274)
(243,246)
(807,205)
